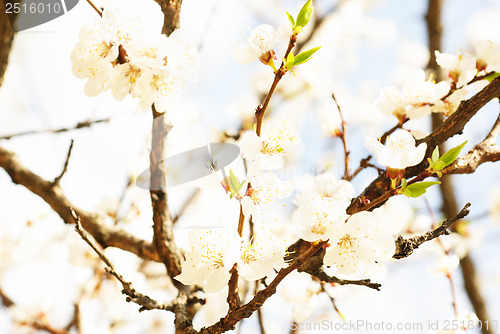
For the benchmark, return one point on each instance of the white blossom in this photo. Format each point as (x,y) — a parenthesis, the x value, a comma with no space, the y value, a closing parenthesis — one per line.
(414,100)
(260,45)
(488,56)
(128,54)
(461,69)
(450,104)
(212,255)
(266,189)
(358,246)
(268,150)
(399,151)
(321,208)
(260,256)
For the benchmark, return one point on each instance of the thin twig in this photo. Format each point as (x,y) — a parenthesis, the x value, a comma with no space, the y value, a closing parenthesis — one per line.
(332,300)
(405,247)
(261,109)
(324,277)
(144,301)
(78,126)
(95,7)
(44,326)
(57,180)
(343,137)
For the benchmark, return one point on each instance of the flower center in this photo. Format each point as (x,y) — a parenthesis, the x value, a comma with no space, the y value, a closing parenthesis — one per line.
(248,254)
(347,242)
(268,148)
(320,226)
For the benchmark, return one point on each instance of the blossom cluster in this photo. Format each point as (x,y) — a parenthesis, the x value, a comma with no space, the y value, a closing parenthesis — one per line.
(127,54)
(421,97)
(357,244)
(214,252)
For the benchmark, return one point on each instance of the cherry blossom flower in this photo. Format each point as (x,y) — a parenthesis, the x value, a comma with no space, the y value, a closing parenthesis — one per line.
(268,150)
(358,246)
(260,46)
(317,217)
(321,208)
(399,151)
(461,69)
(212,256)
(450,104)
(414,100)
(129,55)
(266,189)
(260,256)
(488,56)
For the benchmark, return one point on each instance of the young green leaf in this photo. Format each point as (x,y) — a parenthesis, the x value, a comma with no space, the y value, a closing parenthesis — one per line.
(305,15)
(418,189)
(304,56)
(435,154)
(451,155)
(289,61)
(290,18)
(492,76)
(233,180)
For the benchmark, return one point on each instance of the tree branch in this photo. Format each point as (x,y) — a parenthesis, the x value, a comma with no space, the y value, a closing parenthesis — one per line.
(485,151)
(57,180)
(80,125)
(52,194)
(233,317)
(145,302)
(452,126)
(405,247)
(163,238)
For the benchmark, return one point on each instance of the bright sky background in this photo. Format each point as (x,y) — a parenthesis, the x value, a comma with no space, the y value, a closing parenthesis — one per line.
(40,92)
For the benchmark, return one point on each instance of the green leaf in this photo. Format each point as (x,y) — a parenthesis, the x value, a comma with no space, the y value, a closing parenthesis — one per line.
(492,76)
(438,165)
(451,155)
(233,180)
(435,154)
(305,15)
(304,56)
(289,61)
(418,189)
(403,183)
(290,18)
